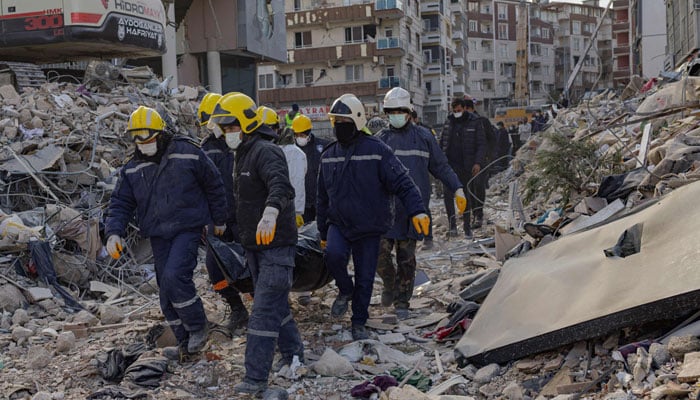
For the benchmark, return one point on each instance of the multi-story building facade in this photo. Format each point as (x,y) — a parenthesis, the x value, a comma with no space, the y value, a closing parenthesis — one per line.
(574,28)
(438,47)
(625,59)
(353,46)
(650,36)
(683,31)
(492,41)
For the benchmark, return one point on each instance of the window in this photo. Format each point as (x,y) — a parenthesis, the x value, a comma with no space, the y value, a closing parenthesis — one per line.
(575,44)
(545,70)
(545,33)
(353,73)
(474,65)
(503,50)
(502,11)
(503,31)
(473,6)
(473,26)
(389,32)
(486,9)
(576,27)
(417,42)
(487,65)
(266,81)
(419,76)
(354,35)
(472,45)
(486,45)
(487,84)
(302,39)
(428,87)
(284,79)
(305,76)
(427,57)
(475,85)
(535,49)
(485,28)
(535,31)
(545,51)
(536,86)
(297,5)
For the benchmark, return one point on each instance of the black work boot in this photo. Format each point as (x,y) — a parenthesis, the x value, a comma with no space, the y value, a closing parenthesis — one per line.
(239,314)
(251,387)
(340,306)
(359,332)
(198,339)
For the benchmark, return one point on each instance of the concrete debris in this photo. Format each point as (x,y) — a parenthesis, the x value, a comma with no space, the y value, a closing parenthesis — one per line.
(680,346)
(487,373)
(332,364)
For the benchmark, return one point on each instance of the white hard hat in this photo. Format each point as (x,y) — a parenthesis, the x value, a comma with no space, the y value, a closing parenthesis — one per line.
(398,98)
(348,105)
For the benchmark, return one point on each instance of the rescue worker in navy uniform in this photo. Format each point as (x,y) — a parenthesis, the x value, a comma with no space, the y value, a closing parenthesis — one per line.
(268,232)
(464,143)
(358,177)
(175,190)
(420,153)
(214,146)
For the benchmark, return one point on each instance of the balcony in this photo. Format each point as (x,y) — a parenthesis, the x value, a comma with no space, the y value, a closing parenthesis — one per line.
(618,4)
(457,36)
(314,55)
(388,82)
(457,7)
(458,62)
(331,16)
(432,67)
(390,47)
(389,9)
(323,93)
(459,89)
(622,50)
(623,26)
(430,7)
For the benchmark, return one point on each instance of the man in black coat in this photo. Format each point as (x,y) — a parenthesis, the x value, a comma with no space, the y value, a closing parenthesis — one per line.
(502,146)
(464,143)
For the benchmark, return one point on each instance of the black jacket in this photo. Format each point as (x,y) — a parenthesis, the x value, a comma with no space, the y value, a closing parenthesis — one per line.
(261,179)
(467,133)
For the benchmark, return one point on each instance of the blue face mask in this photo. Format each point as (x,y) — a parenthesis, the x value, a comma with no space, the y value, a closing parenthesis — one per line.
(398,120)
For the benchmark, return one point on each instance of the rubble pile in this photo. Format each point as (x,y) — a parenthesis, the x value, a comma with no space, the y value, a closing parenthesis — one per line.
(62,145)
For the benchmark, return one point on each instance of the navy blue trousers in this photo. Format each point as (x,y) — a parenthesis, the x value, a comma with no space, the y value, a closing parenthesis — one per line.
(175,261)
(271,320)
(365,253)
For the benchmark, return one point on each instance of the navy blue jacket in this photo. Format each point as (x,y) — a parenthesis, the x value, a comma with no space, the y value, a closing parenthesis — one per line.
(356,185)
(313,150)
(464,142)
(223,158)
(418,151)
(184,192)
(261,180)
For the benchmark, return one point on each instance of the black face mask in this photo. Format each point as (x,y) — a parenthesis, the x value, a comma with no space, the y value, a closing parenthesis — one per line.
(345,132)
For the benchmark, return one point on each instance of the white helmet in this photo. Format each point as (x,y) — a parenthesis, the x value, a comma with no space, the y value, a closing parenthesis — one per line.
(398,98)
(348,105)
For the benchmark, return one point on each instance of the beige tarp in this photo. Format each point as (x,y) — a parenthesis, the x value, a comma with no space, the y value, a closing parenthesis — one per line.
(568,290)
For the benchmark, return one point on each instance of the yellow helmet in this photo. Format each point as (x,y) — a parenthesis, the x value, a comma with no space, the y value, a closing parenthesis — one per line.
(206,107)
(144,124)
(301,123)
(237,108)
(268,116)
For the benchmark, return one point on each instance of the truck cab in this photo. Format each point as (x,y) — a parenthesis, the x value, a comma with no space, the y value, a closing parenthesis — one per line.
(44,31)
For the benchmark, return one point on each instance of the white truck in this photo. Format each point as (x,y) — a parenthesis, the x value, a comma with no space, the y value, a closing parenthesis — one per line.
(49,31)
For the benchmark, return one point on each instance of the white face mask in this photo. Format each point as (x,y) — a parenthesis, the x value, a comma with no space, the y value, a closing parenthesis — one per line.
(302,141)
(233,139)
(398,120)
(148,149)
(457,114)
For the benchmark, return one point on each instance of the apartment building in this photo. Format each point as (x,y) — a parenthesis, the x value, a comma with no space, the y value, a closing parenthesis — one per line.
(439,48)
(365,47)
(492,43)
(683,31)
(649,42)
(626,61)
(574,26)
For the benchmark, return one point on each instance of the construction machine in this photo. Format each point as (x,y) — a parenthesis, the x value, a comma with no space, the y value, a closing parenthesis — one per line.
(53,31)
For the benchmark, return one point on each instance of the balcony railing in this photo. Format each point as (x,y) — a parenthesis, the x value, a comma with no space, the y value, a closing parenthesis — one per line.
(388,4)
(388,43)
(389,82)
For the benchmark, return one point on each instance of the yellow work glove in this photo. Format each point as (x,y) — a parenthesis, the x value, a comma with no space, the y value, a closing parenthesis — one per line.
(267,226)
(300,221)
(461,201)
(323,244)
(219,229)
(115,246)
(421,223)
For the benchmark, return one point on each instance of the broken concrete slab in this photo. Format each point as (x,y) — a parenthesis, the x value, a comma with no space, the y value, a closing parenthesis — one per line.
(332,364)
(42,160)
(584,222)
(566,300)
(691,368)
